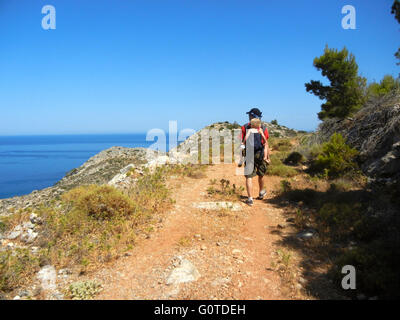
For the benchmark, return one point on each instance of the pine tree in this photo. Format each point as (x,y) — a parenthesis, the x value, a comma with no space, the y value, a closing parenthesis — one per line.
(396,12)
(346,92)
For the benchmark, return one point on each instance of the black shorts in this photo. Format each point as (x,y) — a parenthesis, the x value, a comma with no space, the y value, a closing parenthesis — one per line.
(260,166)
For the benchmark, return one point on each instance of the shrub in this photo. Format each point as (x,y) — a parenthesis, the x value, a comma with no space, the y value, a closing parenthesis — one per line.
(294,158)
(96,223)
(84,290)
(16,267)
(277,168)
(275,122)
(286,186)
(336,158)
(150,190)
(386,85)
(280,144)
(338,218)
(100,202)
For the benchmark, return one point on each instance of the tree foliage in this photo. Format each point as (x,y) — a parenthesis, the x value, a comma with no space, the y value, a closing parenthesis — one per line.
(385,86)
(396,12)
(345,94)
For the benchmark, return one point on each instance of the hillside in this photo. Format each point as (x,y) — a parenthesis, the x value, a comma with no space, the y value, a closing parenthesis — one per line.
(147,229)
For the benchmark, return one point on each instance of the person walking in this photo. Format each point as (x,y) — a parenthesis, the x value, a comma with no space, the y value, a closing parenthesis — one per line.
(255,135)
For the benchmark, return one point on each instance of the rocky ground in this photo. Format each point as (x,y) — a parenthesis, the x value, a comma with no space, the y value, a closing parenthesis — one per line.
(202,248)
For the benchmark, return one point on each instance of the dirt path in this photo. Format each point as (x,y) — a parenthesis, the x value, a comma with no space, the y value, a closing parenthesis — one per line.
(232,251)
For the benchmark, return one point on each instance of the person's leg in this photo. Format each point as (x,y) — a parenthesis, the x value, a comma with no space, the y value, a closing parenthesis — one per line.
(262,191)
(261,182)
(249,186)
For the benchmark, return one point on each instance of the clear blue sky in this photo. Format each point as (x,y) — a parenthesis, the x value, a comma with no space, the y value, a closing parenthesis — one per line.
(129,66)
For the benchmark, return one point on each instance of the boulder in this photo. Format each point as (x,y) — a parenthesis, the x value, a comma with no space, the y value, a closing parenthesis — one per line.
(185,272)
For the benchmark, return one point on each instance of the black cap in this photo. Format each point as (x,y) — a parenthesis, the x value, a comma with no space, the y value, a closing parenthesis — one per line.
(255,112)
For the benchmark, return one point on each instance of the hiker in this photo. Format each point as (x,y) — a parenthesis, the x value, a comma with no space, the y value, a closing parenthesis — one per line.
(256,135)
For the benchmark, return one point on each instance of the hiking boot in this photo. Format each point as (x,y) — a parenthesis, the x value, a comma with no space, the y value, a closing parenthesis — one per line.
(249,202)
(262,194)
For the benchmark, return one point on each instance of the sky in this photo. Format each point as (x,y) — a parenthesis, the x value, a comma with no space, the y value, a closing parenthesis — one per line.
(129,66)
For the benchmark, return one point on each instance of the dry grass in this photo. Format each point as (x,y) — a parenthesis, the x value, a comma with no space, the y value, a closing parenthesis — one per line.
(90,225)
(224,191)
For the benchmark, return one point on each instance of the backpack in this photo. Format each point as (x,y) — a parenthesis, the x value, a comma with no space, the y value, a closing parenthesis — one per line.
(257,139)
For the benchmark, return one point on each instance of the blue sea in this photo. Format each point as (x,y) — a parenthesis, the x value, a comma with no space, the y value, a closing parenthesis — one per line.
(30,163)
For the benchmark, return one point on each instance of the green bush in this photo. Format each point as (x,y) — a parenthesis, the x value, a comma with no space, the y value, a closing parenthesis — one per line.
(294,158)
(16,266)
(277,168)
(385,86)
(100,202)
(336,158)
(338,218)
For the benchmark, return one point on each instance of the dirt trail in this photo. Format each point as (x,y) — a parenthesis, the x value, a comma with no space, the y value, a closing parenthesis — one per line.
(232,251)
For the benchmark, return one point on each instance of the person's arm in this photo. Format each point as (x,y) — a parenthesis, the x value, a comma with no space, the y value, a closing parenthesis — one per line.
(266,152)
(266,146)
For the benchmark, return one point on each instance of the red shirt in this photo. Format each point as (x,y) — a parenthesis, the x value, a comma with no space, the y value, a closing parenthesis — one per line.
(247,126)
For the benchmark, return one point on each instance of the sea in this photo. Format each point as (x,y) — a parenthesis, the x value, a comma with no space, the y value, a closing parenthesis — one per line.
(30,163)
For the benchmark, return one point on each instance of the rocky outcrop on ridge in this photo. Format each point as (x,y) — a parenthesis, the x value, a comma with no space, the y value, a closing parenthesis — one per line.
(375,132)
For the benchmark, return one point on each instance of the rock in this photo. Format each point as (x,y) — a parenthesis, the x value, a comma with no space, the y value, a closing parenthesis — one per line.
(220,282)
(185,272)
(126,169)
(23,293)
(203,247)
(34,250)
(291,220)
(17,298)
(56,296)
(28,225)
(64,271)
(306,234)
(119,178)
(375,133)
(34,218)
(236,252)
(218,205)
(13,235)
(47,276)
(29,236)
